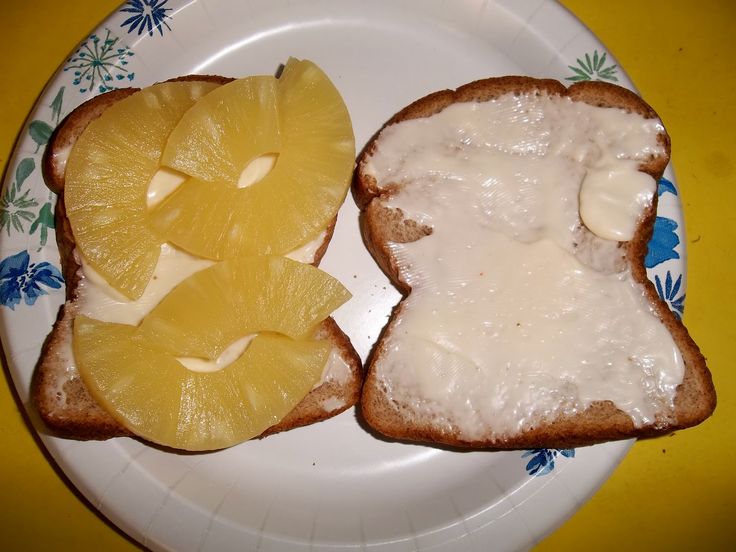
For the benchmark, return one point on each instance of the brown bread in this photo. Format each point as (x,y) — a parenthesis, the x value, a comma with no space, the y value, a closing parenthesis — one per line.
(58,392)
(695,399)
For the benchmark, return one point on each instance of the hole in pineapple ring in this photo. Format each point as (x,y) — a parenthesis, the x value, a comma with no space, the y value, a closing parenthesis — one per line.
(257,169)
(163,184)
(231,353)
(167,180)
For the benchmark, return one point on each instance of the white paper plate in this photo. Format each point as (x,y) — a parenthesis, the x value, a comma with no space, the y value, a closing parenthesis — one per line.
(332,485)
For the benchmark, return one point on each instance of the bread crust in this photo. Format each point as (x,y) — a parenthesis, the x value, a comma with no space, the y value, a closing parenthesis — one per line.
(602,421)
(57,390)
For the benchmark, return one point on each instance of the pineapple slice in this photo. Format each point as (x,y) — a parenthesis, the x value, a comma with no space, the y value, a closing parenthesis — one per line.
(214,307)
(226,130)
(107,177)
(304,121)
(150,393)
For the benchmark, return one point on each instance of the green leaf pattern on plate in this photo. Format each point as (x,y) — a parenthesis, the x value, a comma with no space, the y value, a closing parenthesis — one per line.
(40,132)
(44,220)
(100,63)
(18,205)
(56,105)
(14,206)
(593,68)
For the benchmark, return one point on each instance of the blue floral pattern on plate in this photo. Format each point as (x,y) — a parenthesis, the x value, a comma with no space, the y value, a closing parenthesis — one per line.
(21,279)
(99,64)
(542,460)
(147,16)
(663,242)
(669,292)
(661,249)
(664,239)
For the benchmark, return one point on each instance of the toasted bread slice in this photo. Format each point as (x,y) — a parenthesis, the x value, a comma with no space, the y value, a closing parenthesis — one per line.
(58,392)
(384,225)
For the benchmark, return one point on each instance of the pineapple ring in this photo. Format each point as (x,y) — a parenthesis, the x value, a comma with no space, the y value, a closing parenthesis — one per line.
(300,117)
(137,373)
(151,394)
(107,177)
(214,307)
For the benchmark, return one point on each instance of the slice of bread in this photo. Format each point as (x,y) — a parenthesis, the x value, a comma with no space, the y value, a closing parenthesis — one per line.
(383,226)
(58,392)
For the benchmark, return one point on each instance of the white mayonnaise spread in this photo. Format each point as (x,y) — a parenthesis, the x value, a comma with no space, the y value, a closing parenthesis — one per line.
(60,157)
(517,313)
(162,185)
(99,300)
(231,353)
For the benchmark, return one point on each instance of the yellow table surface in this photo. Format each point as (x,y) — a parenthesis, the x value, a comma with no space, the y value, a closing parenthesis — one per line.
(673,493)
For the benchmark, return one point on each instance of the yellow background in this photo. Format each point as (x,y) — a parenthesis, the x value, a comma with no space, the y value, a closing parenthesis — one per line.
(672,493)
